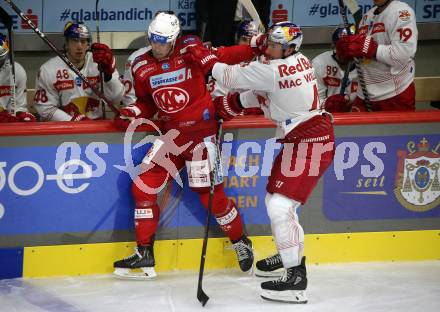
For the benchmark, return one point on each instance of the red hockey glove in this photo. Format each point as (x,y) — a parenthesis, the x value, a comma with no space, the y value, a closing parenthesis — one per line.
(188,41)
(227,107)
(25,116)
(103,55)
(126,115)
(6,117)
(258,43)
(348,47)
(73,111)
(202,56)
(337,103)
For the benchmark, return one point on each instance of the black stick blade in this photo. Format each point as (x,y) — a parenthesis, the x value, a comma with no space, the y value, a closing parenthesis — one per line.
(201,296)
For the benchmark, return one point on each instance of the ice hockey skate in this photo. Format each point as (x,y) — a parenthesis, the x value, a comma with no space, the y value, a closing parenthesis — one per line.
(142,259)
(269,267)
(290,288)
(245,254)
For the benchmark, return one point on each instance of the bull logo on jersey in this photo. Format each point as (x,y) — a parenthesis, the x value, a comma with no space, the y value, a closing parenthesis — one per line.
(171,100)
(5,91)
(404,15)
(417,185)
(332,81)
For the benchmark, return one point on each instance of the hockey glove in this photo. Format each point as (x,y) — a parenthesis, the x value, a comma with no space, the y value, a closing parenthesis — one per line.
(25,116)
(73,111)
(103,55)
(258,44)
(337,103)
(315,127)
(201,56)
(348,47)
(6,117)
(227,107)
(126,115)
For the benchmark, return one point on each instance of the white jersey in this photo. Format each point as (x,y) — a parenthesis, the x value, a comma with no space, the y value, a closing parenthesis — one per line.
(57,86)
(285,89)
(329,75)
(396,33)
(215,88)
(129,94)
(6,88)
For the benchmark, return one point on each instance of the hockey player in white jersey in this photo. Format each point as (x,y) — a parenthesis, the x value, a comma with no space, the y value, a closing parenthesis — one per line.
(129,97)
(285,88)
(330,71)
(61,95)
(12,109)
(386,44)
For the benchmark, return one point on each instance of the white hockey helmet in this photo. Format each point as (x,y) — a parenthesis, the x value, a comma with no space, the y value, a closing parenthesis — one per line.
(287,34)
(164,28)
(246,29)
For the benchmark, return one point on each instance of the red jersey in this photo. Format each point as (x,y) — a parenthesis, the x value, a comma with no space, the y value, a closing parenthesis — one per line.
(176,89)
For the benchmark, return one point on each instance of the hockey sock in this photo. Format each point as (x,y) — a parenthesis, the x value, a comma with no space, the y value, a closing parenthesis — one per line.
(146,219)
(225,213)
(287,232)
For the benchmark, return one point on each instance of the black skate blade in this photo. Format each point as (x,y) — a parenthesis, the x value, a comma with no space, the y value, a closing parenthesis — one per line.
(202,297)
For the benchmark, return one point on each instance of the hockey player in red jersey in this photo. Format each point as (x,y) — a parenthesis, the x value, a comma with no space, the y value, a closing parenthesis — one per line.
(385,44)
(167,84)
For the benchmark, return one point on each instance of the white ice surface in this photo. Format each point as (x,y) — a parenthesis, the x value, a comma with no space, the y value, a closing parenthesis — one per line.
(357,287)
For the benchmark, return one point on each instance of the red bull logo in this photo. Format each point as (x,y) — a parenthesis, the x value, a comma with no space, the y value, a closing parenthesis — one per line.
(4,46)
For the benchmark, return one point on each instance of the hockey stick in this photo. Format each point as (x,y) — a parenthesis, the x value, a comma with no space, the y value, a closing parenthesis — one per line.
(201,295)
(6,19)
(343,11)
(357,14)
(355,10)
(250,8)
(101,75)
(61,56)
